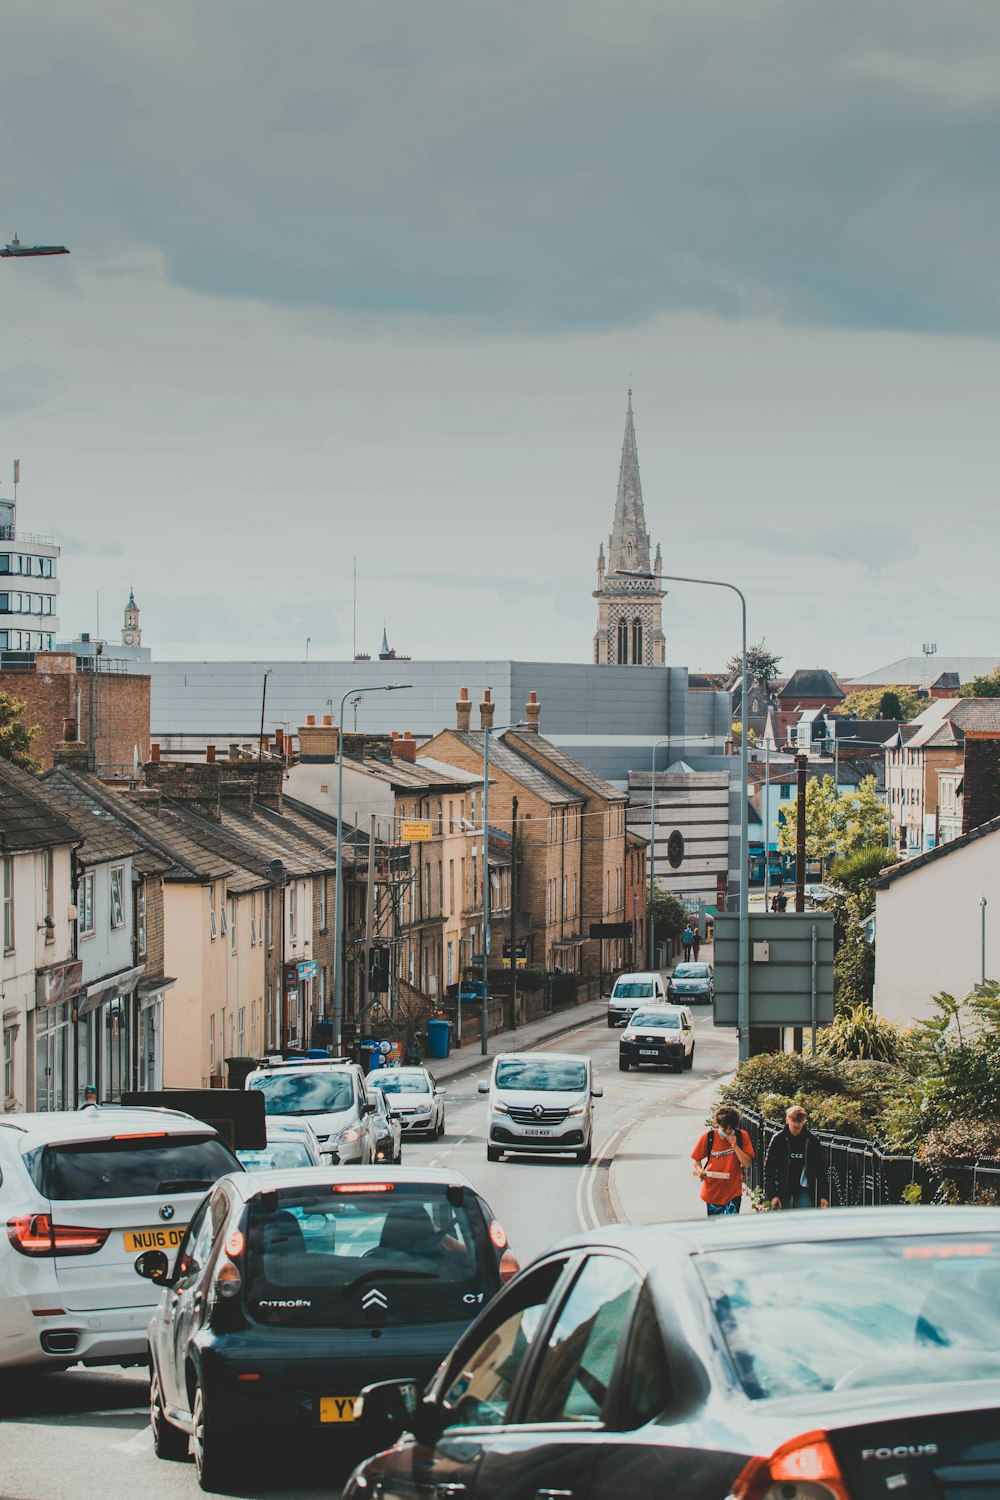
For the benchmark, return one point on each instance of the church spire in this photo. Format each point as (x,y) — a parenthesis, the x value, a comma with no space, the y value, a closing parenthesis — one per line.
(628,545)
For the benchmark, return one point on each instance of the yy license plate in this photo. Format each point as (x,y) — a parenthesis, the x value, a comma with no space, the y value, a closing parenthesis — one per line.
(336,1408)
(154,1239)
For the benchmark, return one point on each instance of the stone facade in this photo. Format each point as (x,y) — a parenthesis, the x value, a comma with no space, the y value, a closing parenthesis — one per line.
(109,707)
(629,608)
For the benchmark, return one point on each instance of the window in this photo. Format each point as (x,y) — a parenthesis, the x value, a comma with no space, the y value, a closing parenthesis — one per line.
(637,642)
(232,923)
(573,1378)
(645,1378)
(140,909)
(133,1168)
(223,919)
(8,903)
(293,892)
(622,643)
(211,1043)
(9,1043)
(212,927)
(85,905)
(253,932)
(118,896)
(322,903)
(785,792)
(269,918)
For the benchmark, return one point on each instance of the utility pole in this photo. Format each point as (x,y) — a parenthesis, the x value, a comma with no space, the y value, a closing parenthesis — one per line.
(801,762)
(513,914)
(366,965)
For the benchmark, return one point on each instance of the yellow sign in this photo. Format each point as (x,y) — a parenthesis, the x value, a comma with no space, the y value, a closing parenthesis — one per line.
(414,832)
(154,1239)
(336,1408)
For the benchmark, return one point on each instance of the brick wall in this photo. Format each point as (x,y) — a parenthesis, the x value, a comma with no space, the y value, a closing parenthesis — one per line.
(154,924)
(980,779)
(49,692)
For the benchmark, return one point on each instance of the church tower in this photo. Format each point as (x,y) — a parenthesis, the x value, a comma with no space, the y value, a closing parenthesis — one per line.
(131,634)
(629,609)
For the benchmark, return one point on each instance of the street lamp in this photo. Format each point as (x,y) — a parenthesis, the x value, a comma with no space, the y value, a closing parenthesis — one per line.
(983,903)
(652,849)
(338,895)
(483,1014)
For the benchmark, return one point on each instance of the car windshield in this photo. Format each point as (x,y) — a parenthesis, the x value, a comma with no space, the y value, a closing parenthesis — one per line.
(652,1020)
(541,1076)
(899,1310)
(633,989)
(295,1093)
(342,1255)
(404,1083)
(691,971)
(137,1167)
(277,1156)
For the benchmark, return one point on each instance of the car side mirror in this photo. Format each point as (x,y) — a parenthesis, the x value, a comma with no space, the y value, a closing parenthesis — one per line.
(597,1092)
(153,1265)
(387,1409)
(369,1107)
(484,1086)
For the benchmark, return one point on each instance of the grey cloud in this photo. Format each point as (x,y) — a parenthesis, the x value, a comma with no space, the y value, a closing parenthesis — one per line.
(572,166)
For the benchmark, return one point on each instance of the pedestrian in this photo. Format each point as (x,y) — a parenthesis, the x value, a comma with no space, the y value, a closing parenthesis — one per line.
(719,1158)
(795,1173)
(687,938)
(696,944)
(89,1095)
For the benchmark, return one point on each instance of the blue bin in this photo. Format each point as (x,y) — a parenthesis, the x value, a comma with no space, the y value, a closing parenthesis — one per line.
(439,1038)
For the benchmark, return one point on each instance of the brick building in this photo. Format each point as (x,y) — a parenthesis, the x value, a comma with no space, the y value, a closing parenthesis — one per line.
(93,701)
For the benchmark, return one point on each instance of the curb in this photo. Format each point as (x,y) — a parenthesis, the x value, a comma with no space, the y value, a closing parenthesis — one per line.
(480,1058)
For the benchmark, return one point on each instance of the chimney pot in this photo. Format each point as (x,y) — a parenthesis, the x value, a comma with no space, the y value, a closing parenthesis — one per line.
(327,720)
(154,752)
(532,712)
(487,710)
(209,755)
(463,693)
(310,718)
(463,711)
(69,729)
(279,741)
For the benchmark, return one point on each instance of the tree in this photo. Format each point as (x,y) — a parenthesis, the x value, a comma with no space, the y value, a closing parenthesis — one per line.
(898,704)
(861,869)
(837,824)
(668,915)
(864,820)
(985,686)
(762,665)
(16,738)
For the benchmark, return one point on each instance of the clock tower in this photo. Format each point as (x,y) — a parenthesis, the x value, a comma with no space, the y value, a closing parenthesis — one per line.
(131,634)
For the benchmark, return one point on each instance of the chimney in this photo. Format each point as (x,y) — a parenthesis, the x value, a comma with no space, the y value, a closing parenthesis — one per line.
(279,742)
(486,710)
(69,729)
(72,755)
(265,744)
(404,747)
(154,752)
(318,742)
(210,754)
(980,778)
(532,712)
(327,720)
(310,719)
(463,711)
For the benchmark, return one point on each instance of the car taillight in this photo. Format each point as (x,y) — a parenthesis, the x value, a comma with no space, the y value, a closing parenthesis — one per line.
(804,1469)
(509,1266)
(35,1234)
(227,1279)
(498,1235)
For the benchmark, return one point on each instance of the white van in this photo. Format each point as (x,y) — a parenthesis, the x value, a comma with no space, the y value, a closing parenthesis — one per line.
(632,991)
(541,1102)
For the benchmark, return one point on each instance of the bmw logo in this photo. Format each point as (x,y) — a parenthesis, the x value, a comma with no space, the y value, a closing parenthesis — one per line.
(538,1111)
(167,1211)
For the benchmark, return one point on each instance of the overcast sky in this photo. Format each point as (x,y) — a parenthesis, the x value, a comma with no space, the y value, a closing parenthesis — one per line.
(355,278)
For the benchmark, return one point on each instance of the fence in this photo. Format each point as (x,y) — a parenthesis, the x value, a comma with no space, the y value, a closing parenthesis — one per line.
(862,1174)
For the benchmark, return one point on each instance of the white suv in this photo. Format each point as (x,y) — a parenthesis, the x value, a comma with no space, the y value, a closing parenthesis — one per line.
(332,1095)
(540,1103)
(83,1194)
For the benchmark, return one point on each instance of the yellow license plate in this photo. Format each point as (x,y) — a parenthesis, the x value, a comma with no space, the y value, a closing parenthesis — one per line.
(154,1239)
(336,1408)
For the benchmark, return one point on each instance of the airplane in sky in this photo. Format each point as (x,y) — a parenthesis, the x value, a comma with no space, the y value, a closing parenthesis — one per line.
(14,247)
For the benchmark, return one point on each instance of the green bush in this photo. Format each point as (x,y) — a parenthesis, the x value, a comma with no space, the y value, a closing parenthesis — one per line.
(962,1140)
(859,1032)
(784,1073)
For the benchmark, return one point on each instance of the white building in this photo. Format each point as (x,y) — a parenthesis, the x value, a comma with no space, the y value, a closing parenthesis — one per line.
(29,587)
(931,926)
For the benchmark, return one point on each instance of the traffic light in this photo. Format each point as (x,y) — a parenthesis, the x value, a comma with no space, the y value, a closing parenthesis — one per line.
(378,969)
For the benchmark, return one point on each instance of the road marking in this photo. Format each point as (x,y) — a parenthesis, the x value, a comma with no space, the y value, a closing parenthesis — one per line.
(586,1197)
(140,1443)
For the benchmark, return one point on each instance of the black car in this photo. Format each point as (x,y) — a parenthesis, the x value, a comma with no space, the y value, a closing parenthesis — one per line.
(692,984)
(291,1290)
(783,1356)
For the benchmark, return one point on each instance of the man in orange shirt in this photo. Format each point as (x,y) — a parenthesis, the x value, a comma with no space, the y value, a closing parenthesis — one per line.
(719,1158)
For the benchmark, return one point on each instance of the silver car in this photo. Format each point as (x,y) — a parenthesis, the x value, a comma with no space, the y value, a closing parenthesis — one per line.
(419,1101)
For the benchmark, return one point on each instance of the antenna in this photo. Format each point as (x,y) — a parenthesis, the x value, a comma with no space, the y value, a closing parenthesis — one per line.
(354,651)
(930,648)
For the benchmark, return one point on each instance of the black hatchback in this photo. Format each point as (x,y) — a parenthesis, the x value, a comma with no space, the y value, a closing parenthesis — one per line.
(291,1290)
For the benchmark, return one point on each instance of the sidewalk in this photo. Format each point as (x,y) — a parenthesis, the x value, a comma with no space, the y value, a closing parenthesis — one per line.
(468,1059)
(650,1180)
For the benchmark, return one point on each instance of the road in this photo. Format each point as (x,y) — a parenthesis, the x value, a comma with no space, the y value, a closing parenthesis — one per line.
(86,1433)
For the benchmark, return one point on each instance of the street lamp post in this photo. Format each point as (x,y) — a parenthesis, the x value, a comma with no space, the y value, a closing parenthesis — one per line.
(982,936)
(338,897)
(652,851)
(483,1014)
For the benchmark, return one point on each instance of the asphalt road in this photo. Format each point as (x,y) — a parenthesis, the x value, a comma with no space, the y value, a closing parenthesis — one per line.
(86,1433)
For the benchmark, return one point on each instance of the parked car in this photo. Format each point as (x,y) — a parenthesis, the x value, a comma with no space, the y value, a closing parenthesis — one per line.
(333,1097)
(693,983)
(780,1356)
(661,1035)
(389,1131)
(83,1193)
(291,1290)
(419,1102)
(630,992)
(286,1148)
(541,1103)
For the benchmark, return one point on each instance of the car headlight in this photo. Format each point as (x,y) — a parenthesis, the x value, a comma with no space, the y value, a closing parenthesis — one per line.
(349,1135)
(498,1108)
(577,1109)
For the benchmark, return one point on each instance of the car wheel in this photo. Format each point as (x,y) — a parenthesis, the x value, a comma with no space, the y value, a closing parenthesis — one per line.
(440,1130)
(214,1456)
(584,1153)
(623,1065)
(493,1153)
(611,1024)
(689,1060)
(679,1065)
(168,1441)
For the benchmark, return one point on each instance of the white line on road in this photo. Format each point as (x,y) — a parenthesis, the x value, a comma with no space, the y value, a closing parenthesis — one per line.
(586,1195)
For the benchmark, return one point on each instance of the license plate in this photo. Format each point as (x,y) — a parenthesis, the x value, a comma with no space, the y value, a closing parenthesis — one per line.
(648,1052)
(538,1132)
(154,1239)
(336,1408)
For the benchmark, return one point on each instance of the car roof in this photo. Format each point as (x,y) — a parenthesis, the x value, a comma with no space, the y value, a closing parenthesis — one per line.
(658,1245)
(292,1066)
(557,1057)
(639,974)
(99,1122)
(263,1182)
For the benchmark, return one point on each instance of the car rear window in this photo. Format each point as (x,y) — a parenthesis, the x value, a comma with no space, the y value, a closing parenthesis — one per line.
(633,990)
(354,1256)
(897,1310)
(549,1077)
(136,1167)
(305,1093)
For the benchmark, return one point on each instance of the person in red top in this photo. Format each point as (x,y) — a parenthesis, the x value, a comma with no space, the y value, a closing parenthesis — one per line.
(719,1158)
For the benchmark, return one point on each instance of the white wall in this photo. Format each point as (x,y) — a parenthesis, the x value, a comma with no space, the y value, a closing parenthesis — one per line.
(928,927)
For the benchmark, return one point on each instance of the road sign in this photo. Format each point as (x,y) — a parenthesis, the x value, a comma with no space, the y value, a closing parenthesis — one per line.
(784,985)
(415,831)
(610,929)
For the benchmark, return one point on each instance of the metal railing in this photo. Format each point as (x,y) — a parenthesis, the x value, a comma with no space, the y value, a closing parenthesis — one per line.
(863,1174)
(13,534)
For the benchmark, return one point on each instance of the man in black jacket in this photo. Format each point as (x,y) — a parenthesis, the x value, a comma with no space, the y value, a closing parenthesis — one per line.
(794,1170)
